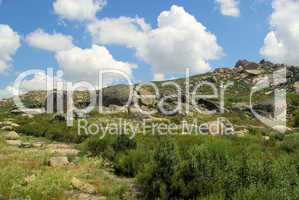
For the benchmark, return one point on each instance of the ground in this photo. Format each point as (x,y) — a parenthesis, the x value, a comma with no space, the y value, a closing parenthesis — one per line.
(25,173)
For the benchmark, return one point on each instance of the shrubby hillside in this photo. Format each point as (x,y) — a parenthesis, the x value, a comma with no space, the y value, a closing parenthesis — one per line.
(42,158)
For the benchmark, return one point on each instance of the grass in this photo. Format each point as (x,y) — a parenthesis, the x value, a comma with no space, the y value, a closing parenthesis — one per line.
(48,183)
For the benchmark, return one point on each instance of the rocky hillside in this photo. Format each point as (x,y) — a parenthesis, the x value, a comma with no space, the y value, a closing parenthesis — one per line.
(244,76)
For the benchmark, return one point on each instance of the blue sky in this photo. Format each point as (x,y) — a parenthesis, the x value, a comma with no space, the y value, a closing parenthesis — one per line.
(240,37)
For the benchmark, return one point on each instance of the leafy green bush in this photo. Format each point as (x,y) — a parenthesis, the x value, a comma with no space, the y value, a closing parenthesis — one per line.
(156,180)
(296,119)
(290,144)
(123,143)
(215,170)
(131,163)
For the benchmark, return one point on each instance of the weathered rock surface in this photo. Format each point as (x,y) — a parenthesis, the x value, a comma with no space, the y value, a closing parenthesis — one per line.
(16,143)
(12,135)
(83,187)
(58,161)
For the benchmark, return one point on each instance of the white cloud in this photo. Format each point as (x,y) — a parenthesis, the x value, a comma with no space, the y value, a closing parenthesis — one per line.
(179,41)
(79,10)
(229,7)
(51,42)
(5,93)
(159,77)
(31,83)
(282,42)
(9,43)
(84,64)
(125,31)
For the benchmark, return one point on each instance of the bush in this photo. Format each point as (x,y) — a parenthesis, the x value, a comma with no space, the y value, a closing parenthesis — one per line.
(131,163)
(290,144)
(124,143)
(296,119)
(97,145)
(156,180)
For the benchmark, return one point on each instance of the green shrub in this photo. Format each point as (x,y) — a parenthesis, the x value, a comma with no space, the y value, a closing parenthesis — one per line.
(123,143)
(156,180)
(131,163)
(290,144)
(296,119)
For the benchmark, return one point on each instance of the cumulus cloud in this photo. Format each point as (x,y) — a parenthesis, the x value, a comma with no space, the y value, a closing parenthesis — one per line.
(125,31)
(50,42)
(282,42)
(229,7)
(35,82)
(179,41)
(5,93)
(79,10)
(9,43)
(84,64)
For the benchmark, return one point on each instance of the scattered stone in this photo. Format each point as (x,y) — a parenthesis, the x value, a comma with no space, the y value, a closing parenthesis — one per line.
(30,116)
(26,145)
(137,112)
(84,196)
(29,179)
(59,118)
(58,162)
(13,124)
(12,135)
(254,72)
(38,144)
(247,65)
(16,111)
(267,138)
(7,128)
(83,187)
(64,152)
(58,146)
(16,143)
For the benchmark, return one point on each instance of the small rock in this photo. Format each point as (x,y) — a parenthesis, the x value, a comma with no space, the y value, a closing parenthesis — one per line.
(13,124)
(266,138)
(16,143)
(84,196)
(30,179)
(254,72)
(83,187)
(64,152)
(58,162)
(59,146)
(7,128)
(38,144)
(27,115)
(26,145)
(12,135)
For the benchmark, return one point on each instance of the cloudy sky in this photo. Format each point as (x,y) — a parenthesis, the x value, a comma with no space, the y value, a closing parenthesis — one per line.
(149,40)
